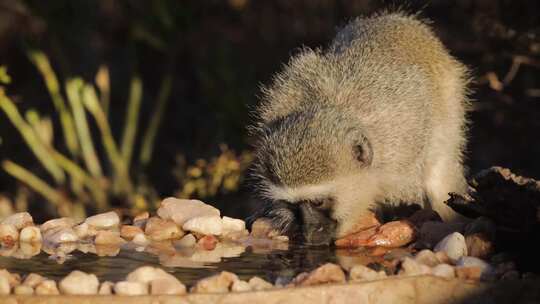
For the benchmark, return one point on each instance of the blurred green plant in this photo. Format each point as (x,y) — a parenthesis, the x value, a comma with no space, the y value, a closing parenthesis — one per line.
(90,183)
(220,175)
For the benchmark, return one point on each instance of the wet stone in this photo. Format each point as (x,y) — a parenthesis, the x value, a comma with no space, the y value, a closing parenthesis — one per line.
(140,239)
(140,220)
(79,283)
(186,241)
(130,288)
(60,235)
(444,271)
(239,286)
(63,222)
(486,270)
(327,273)
(106,288)
(128,232)
(427,257)
(165,286)
(33,279)
(47,287)
(30,234)
(159,230)
(23,290)
(105,237)
(262,228)
(182,210)
(257,283)
(219,283)
(453,245)
(208,242)
(105,220)
(205,225)
(364,273)
(410,267)
(232,225)
(8,235)
(19,220)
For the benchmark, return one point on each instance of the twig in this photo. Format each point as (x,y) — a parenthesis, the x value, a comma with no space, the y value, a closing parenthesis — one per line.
(132,119)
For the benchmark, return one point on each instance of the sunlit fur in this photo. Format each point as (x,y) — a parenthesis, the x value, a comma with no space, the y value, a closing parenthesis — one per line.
(386,78)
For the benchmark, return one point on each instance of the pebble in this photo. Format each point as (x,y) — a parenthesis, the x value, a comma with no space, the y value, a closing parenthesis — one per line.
(105,220)
(33,279)
(478,245)
(23,290)
(186,241)
(146,274)
(30,234)
(205,225)
(364,273)
(159,230)
(182,210)
(106,288)
(105,237)
(79,283)
(469,273)
(410,267)
(19,220)
(164,286)
(63,222)
(84,230)
(257,284)
(60,235)
(486,269)
(128,232)
(427,257)
(444,271)
(239,286)
(5,289)
(232,225)
(327,273)
(47,287)
(453,245)
(262,229)
(208,242)
(219,283)
(130,288)
(8,235)
(140,219)
(140,239)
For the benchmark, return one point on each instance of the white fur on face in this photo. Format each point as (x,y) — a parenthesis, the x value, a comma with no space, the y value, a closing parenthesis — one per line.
(293,195)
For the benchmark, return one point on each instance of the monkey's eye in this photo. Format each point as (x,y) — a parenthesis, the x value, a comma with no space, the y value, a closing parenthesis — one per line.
(322,203)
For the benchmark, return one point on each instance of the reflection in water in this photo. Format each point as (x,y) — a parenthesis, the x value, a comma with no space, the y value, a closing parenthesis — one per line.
(275,262)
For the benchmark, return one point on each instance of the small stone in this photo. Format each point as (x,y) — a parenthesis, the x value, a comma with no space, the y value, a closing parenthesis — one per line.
(79,283)
(63,222)
(33,279)
(141,219)
(23,290)
(444,271)
(83,230)
(327,273)
(105,237)
(140,239)
(468,261)
(257,284)
(453,245)
(104,220)
(208,242)
(206,225)
(130,288)
(262,228)
(5,289)
(146,274)
(469,273)
(106,288)
(410,267)
(443,257)
(9,235)
(182,210)
(167,287)
(47,287)
(232,225)
(30,234)
(60,235)
(186,241)
(393,234)
(19,220)
(364,273)
(432,232)
(427,257)
(219,283)
(128,232)
(478,245)
(239,286)
(159,230)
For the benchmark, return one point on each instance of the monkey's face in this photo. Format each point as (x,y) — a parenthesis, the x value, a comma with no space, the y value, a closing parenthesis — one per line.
(309,171)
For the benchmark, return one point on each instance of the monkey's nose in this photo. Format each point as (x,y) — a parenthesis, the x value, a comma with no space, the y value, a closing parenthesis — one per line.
(317,226)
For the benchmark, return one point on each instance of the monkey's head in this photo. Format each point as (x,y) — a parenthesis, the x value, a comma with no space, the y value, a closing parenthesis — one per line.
(312,169)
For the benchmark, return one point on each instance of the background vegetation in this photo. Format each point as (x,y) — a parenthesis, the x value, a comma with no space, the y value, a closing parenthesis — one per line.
(188,72)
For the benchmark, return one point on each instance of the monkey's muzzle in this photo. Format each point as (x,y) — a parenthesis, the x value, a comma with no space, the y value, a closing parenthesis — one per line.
(317,228)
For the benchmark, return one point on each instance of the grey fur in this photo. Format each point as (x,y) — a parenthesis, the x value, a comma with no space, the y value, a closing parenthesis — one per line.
(385,84)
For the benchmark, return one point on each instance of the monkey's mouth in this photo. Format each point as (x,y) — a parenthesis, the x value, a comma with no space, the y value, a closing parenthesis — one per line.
(301,222)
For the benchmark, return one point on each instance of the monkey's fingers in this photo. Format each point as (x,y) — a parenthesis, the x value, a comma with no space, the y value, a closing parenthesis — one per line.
(392,234)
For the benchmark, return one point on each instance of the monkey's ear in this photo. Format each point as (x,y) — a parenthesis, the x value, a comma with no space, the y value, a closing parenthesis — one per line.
(363,152)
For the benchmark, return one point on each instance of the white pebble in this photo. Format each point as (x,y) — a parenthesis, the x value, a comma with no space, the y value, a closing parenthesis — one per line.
(231,225)
(23,290)
(19,220)
(239,286)
(130,288)
(443,271)
(61,235)
(104,220)
(453,245)
(182,210)
(206,225)
(411,267)
(468,261)
(63,222)
(363,273)
(106,288)
(167,287)
(187,241)
(79,283)
(257,283)
(8,235)
(140,239)
(30,234)
(47,287)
